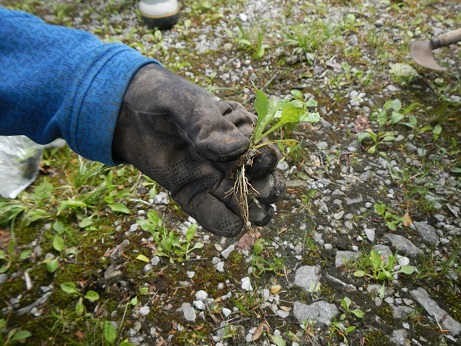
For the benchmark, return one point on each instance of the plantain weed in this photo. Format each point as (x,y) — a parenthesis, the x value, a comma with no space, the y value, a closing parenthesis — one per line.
(273,114)
(169,244)
(377,267)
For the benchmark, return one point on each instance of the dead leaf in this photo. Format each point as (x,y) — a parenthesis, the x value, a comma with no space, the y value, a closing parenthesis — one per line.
(361,123)
(248,240)
(275,289)
(258,332)
(406,220)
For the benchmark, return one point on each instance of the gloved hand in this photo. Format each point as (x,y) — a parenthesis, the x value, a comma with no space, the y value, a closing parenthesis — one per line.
(188,141)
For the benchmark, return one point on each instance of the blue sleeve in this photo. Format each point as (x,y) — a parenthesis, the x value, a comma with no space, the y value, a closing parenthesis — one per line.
(57,82)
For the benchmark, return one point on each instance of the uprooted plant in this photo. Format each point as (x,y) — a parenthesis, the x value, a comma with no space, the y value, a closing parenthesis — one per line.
(273,114)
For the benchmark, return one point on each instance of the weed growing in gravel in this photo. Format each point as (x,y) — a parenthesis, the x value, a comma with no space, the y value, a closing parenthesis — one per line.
(13,336)
(390,114)
(263,262)
(392,221)
(168,243)
(273,114)
(377,267)
(11,256)
(253,40)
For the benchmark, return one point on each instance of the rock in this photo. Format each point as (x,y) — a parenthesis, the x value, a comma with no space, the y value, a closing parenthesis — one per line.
(403,245)
(144,310)
(399,337)
(225,253)
(38,302)
(201,295)
(112,273)
(188,311)
(200,305)
(433,309)
(400,312)
(354,146)
(307,277)
(282,313)
(226,312)
(246,284)
(155,260)
(321,312)
(3,278)
(427,232)
(342,257)
(370,233)
(358,199)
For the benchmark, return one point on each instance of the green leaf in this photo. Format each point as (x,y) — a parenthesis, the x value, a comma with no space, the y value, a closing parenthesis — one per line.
(142,258)
(58,243)
(3,269)
(69,287)
(310,117)
(2,254)
(396,105)
(261,104)
(412,122)
(258,247)
(58,226)
(119,208)
(381,291)
(52,265)
(396,117)
(126,343)
(350,329)
(389,138)
(197,245)
(346,302)
(80,307)
(24,254)
(143,290)
(109,332)
(359,273)
(358,313)
(290,114)
(86,222)
(21,335)
(456,170)
(277,340)
(191,232)
(72,203)
(364,135)
(381,118)
(297,94)
(92,295)
(380,208)
(134,301)
(407,269)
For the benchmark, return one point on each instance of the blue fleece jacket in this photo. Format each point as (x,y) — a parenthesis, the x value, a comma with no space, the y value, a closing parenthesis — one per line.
(57,82)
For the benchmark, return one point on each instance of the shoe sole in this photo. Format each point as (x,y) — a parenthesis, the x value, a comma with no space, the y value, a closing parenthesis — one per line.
(161,22)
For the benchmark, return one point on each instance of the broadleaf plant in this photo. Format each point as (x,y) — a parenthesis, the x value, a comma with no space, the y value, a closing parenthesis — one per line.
(273,114)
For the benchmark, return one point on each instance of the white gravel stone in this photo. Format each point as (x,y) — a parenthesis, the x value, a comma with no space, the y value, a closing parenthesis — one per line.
(246,284)
(226,312)
(199,304)
(201,295)
(144,311)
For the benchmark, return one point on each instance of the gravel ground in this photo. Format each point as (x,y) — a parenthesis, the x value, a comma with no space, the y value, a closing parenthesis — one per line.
(312,277)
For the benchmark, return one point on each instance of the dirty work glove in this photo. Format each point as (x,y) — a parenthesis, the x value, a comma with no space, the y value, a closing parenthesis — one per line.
(187,140)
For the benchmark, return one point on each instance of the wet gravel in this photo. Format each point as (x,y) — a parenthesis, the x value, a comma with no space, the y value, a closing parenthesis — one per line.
(327,221)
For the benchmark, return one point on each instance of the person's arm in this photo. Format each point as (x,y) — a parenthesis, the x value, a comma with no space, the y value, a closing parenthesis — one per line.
(113,105)
(57,82)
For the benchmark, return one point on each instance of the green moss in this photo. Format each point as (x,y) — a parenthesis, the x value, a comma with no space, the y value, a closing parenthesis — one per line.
(376,338)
